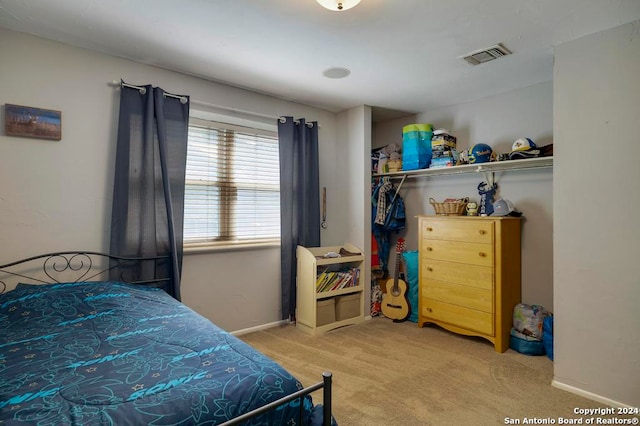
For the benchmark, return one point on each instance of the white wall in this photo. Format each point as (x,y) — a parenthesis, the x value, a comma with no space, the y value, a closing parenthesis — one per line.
(354,140)
(596,205)
(497,121)
(390,131)
(57,195)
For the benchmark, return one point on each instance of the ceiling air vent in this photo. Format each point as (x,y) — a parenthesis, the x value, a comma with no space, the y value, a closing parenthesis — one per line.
(485,55)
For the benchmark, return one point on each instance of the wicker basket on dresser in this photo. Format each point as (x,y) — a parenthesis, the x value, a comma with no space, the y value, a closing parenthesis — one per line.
(470,275)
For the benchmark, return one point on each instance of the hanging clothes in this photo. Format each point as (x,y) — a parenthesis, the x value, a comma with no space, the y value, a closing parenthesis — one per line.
(387,215)
(381,213)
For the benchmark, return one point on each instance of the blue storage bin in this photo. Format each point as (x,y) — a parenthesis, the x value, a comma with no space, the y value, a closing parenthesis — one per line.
(416,146)
(525,345)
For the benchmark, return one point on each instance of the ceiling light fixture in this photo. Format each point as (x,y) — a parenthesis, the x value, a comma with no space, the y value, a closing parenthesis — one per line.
(338,5)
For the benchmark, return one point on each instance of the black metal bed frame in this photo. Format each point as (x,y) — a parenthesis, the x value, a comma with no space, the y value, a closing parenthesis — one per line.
(81,263)
(325,384)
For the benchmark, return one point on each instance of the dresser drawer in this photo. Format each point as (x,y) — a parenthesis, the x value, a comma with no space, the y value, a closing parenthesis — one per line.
(470,319)
(453,251)
(474,231)
(469,275)
(460,295)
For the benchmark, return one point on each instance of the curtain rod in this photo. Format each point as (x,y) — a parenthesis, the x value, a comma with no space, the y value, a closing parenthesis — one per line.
(183,99)
(143,90)
(242,111)
(280,118)
(235,110)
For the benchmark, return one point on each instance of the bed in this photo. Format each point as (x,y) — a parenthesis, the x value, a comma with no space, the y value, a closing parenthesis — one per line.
(79,349)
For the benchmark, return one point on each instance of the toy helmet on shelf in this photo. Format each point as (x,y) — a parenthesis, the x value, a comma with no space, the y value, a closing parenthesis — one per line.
(480,153)
(523,144)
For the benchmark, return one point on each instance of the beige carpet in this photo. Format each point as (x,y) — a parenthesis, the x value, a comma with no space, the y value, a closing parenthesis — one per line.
(387,373)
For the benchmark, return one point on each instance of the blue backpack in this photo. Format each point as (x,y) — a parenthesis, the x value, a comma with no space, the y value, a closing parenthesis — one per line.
(395,218)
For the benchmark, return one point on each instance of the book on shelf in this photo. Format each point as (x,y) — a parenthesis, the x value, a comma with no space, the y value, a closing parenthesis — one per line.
(336,280)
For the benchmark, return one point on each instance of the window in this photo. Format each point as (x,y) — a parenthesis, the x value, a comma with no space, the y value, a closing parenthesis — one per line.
(232,187)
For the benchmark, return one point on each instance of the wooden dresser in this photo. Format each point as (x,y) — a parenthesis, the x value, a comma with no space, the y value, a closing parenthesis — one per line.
(470,275)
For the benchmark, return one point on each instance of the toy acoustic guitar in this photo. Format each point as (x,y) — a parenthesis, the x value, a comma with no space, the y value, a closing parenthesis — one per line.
(395,304)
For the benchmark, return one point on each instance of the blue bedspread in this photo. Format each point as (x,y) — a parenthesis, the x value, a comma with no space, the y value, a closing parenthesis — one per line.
(114,354)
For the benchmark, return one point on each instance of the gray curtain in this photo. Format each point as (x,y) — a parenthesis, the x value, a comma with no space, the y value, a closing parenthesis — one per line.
(148,193)
(299,200)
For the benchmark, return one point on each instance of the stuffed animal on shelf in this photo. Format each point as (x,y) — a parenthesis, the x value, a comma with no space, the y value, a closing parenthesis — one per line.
(394,162)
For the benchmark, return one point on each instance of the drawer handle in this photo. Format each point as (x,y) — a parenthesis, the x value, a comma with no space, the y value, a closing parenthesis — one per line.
(481,254)
(429,249)
(482,232)
(430,269)
(429,228)
(429,310)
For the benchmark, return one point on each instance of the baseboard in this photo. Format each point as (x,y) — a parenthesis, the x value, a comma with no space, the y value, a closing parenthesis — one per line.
(260,327)
(588,395)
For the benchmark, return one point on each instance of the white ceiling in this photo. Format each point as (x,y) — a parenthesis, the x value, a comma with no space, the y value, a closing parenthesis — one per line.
(403,54)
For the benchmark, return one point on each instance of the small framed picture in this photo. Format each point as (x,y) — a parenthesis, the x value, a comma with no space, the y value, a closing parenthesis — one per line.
(32,122)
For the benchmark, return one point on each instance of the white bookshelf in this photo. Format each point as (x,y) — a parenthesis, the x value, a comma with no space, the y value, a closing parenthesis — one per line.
(313,306)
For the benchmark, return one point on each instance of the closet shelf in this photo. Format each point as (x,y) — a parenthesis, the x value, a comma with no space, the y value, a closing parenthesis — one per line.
(497,166)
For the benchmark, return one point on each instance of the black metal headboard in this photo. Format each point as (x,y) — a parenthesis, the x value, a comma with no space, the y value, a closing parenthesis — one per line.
(78,266)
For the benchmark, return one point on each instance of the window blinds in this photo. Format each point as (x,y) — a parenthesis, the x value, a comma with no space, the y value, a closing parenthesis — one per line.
(232,188)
